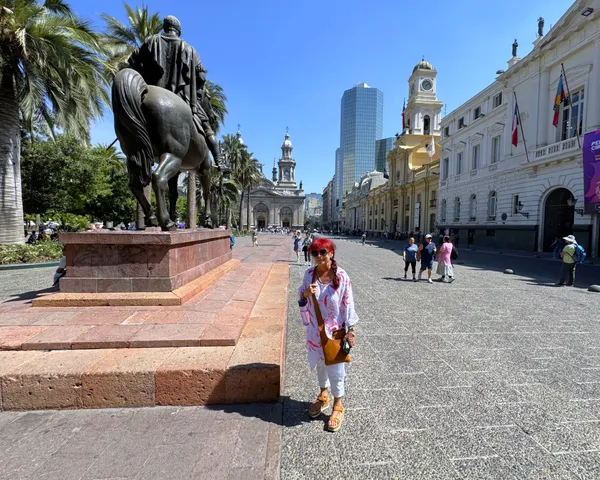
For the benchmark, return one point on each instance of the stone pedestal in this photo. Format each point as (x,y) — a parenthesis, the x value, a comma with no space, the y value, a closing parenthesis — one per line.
(141,261)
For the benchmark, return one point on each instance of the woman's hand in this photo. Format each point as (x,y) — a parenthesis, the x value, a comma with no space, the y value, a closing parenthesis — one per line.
(351,337)
(312,288)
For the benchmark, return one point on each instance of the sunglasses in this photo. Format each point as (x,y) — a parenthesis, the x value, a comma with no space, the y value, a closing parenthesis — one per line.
(316,253)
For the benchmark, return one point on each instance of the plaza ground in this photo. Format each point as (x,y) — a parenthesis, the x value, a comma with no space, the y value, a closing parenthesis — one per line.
(493,376)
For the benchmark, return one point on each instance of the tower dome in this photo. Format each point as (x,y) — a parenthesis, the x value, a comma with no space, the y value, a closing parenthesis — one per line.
(239,135)
(287,142)
(423,65)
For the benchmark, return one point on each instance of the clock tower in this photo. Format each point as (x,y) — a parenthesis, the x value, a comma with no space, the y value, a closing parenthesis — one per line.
(424,110)
(287,166)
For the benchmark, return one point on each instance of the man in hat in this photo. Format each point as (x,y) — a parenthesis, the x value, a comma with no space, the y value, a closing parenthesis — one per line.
(569,263)
(165,60)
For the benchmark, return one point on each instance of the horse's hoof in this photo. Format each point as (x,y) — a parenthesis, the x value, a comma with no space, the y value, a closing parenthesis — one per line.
(171,226)
(152,221)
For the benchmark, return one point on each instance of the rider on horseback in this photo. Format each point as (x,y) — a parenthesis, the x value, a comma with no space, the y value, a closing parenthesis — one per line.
(166,61)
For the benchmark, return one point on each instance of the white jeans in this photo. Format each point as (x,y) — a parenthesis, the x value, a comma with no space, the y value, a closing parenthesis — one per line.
(332,376)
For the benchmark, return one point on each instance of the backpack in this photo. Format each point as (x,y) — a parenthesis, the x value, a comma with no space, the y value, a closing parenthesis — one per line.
(579,254)
(454,254)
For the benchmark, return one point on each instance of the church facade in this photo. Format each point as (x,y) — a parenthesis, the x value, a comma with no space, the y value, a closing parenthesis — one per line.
(278,202)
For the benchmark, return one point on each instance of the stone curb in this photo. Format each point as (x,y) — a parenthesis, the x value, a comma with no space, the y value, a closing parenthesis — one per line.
(140,377)
(22,266)
(125,299)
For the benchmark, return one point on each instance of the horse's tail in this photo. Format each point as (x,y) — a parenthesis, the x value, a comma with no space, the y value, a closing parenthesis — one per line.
(128,90)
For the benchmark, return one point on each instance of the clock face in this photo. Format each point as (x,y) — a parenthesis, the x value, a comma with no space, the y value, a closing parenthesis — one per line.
(426,85)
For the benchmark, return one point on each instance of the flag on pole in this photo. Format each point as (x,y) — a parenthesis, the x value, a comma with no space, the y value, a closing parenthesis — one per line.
(431,148)
(515,126)
(558,100)
(403,108)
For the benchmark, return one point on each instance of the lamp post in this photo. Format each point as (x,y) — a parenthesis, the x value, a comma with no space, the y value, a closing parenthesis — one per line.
(519,208)
(571,202)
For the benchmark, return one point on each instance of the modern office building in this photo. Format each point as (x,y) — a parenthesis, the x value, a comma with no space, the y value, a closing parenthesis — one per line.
(361,125)
(382,148)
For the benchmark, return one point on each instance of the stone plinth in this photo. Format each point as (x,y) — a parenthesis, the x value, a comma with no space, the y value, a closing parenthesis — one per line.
(141,261)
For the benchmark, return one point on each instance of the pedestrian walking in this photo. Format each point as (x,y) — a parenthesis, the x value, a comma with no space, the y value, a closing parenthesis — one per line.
(305,244)
(363,238)
(329,286)
(425,255)
(385,237)
(297,237)
(571,255)
(254,238)
(557,248)
(410,258)
(444,260)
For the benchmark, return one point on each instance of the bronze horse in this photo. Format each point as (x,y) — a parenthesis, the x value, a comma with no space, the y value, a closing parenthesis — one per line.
(154,125)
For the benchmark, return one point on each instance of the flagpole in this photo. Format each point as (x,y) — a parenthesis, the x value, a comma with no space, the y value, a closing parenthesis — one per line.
(569,95)
(521,123)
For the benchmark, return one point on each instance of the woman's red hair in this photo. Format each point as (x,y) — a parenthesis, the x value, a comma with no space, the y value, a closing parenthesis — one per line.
(326,244)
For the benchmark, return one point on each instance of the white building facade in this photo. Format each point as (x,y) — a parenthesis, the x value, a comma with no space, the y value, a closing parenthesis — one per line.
(279,202)
(494,194)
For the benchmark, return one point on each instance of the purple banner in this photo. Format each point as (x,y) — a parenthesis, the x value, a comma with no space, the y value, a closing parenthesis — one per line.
(591,172)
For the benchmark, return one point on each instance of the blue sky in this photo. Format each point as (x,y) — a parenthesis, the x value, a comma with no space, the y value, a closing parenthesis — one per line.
(288,63)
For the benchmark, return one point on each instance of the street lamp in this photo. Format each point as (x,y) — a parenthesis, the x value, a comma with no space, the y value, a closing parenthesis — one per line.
(571,202)
(519,208)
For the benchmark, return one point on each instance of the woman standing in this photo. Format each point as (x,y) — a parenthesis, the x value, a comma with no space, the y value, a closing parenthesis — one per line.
(410,258)
(331,286)
(305,244)
(444,259)
(297,240)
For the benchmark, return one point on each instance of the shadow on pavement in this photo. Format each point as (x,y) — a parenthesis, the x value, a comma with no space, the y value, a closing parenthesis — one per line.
(286,412)
(31,294)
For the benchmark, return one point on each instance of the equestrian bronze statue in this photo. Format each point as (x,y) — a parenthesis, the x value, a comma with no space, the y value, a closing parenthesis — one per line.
(162,115)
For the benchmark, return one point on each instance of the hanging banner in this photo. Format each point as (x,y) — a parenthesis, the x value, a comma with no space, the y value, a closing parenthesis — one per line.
(591,172)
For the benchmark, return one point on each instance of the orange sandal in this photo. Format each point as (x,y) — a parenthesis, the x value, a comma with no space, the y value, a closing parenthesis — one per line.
(318,406)
(335,423)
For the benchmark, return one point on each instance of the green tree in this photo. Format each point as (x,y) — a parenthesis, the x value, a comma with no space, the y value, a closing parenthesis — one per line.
(50,70)
(65,176)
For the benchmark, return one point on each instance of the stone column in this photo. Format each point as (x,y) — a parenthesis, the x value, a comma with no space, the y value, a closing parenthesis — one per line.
(192,211)
(545,101)
(593,95)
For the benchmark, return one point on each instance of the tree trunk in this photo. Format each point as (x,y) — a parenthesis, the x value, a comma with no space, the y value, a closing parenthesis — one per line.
(248,209)
(240,225)
(191,201)
(228,217)
(11,200)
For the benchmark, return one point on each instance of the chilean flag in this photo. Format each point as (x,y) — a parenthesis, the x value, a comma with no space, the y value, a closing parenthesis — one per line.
(403,122)
(558,100)
(515,126)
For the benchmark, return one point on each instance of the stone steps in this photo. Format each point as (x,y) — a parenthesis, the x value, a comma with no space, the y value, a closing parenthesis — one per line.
(250,371)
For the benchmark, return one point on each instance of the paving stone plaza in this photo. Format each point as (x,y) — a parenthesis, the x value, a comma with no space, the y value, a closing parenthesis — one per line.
(492,376)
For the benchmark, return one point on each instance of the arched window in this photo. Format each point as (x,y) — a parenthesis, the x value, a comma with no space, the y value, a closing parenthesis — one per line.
(492,206)
(443,211)
(473,208)
(457,209)
(426,127)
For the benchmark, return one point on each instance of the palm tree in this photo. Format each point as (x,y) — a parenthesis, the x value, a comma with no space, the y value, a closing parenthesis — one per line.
(223,195)
(121,40)
(50,70)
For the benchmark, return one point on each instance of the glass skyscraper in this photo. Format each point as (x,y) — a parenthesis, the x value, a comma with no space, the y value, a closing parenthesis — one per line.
(382,148)
(361,124)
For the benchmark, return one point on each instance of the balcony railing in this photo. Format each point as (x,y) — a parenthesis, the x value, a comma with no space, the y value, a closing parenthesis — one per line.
(555,149)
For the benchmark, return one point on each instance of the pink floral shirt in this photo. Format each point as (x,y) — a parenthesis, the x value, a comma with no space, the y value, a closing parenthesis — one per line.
(443,254)
(337,310)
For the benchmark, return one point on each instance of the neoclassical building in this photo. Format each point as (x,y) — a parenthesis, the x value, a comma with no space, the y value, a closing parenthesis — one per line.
(407,202)
(357,201)
(278,202)
(523,195)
